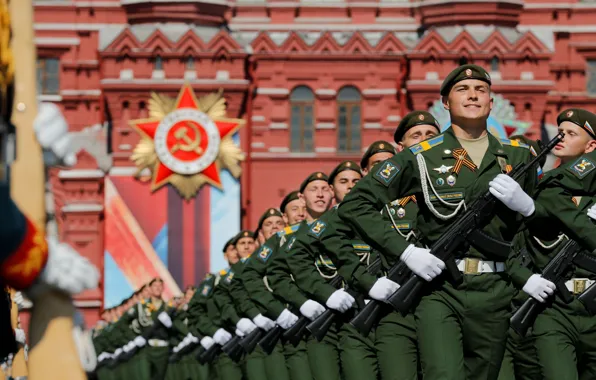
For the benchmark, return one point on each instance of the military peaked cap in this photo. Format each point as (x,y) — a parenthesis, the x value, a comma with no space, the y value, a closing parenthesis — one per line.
(374,148)
(316,176)
(242,234)
(346,165)
(228,243)
(270,212)
(287,199)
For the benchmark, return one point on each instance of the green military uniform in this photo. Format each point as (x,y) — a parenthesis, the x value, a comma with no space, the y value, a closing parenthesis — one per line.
(157,347)
(323,356)
(565,334)
(102,348)
(206,317)
(475,314)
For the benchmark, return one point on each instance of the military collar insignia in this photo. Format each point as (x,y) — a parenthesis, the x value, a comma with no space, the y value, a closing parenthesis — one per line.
(515,143)
(264,253)
(581,167)
(317,228)
(428,144)
(291,243)
(229,277)
(206,289)
(386,172)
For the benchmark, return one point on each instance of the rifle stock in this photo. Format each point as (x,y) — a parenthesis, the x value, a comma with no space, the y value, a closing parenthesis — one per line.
(477,215)
(295,333)
(249,342)
(208,356)
(588,299)
(525,316)
(233,349)
(269,341)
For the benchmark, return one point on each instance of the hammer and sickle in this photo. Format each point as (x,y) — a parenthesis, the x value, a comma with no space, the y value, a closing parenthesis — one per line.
(185,143)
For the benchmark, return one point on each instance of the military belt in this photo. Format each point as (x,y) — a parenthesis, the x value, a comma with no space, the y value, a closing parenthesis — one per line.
(578,285)
(157,343)
(471,265)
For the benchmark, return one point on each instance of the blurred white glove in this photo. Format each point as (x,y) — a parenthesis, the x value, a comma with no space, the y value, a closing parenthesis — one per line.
(126,348)
(510,193)
(192,338)
(52,134)
(286,319)
(311,309)
(18,299)
(165,319)
(103,356)
(140,341)
(239,333)
(117,352)
(340,300)
(539,288)
(422,262)
(382,289)
(263,322)
(177,348)
(19,335)
(222,337)
(246,326)
(207,342)
(65,270)
(592,212)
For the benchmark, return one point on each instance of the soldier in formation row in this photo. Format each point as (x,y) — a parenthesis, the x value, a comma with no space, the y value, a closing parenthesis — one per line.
(313,292)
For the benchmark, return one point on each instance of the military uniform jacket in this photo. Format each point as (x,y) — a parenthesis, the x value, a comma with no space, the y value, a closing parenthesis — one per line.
(254,276)
(279,274)
(436,174)
(244,305)
(223,299)
(203,315)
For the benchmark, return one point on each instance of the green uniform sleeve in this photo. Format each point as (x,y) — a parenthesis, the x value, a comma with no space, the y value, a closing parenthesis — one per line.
(388,180)
(253,279)
(337,244)
(198,317)
(244,304)
(279,277)
(301,256)
(516,263)
(555,199)
(224,301)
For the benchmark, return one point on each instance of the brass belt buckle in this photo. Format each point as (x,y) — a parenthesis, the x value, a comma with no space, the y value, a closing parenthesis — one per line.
(579,286)
(471,265)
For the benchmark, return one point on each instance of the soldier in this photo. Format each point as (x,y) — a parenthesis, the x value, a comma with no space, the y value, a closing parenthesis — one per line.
(453,167)
(254,280)
(323,356)
(564,333)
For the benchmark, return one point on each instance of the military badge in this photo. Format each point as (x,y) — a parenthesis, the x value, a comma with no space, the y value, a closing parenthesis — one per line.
(264,253)
(588,127)
(230,277)
(187,141)
(318,228)
(468,72)
(443,169)
(291,243)
(386,173)
(205,291)
(451,180)
(421,117)
(401,212)
(569,113)
(582,167)
(440,181)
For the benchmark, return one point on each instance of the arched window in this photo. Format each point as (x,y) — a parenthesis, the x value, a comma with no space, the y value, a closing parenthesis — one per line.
(157,63)
(190,63)
(348,119)
(494,64)
(302,119)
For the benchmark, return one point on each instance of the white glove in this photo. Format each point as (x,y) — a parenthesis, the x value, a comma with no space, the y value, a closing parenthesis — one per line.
(311,309)
(383,289)
(510,193)
(246,326)
(140,341)
(207,342)
(422,262)
(191,338)
(539,288)
(592,212)
(286,319)
(165,319)
(222,337)
(18,299)
(65,270)
(263,322)
(51,130)
(103,356)
(177,348)
(340,300)
(117,352)
(19,335)
(126,348)
(239,333)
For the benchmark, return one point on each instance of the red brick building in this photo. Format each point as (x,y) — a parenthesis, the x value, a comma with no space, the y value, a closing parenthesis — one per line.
(316,81)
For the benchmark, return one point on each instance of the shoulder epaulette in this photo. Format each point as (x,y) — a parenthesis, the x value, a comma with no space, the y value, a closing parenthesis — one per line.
(208,276)
(223,272)
(427,144)
(513,143)
(143,301)
(289,230)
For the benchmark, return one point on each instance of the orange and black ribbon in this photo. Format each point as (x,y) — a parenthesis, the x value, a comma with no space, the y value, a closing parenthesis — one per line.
(462,158)
(404,201)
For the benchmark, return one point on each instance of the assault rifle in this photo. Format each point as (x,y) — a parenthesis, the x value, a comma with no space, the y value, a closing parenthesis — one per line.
(477,215)
(233,349)
(249,342)
(268,342)
(555,270)
(321,325)
(295,333)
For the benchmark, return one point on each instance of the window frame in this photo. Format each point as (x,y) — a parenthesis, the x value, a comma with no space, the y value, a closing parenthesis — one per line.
(303,144)
(352,145)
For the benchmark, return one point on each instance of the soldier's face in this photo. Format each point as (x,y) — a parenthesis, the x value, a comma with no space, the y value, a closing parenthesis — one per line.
(417,134)
(271,225)
(146,293)
(317,196)
(188,295)
(469,100)
(245,246)
(295,212)
(375,159)
(156,288)
(343,183)
(575,142)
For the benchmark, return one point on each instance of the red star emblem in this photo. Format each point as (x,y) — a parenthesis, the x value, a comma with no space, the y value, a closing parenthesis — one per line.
(186,142)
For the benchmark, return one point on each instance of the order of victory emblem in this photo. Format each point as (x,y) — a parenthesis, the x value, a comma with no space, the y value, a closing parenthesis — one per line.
(187,142)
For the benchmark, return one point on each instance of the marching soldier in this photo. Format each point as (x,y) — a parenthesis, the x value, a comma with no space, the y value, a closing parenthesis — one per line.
(564,333)
(454,167)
